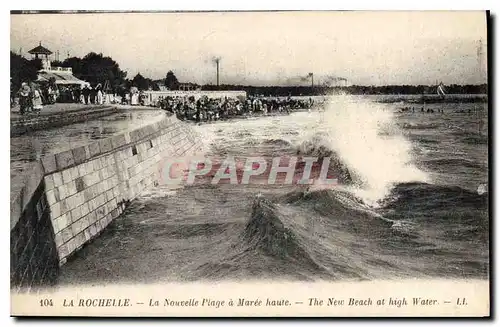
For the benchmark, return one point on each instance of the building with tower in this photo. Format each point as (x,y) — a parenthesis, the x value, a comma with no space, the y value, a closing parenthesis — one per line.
(61,75)
(40,52)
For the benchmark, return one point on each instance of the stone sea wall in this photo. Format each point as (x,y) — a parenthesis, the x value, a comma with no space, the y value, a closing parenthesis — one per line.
(33,254)
(153,96)
(70,197)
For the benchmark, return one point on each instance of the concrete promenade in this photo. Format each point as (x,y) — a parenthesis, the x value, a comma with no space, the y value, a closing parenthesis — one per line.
(56,115)
(52,109)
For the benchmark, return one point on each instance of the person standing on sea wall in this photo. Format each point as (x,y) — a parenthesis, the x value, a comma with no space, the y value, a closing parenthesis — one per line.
(86,94)
(93,95)
(99,94)
(37,98)
(82,97)
(76,94)
(50,95)
(32,95)
(134,96)
(24,98)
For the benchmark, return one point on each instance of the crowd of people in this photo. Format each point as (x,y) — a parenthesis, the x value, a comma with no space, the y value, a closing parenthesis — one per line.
(211,109)
(33,96)
(86,94)
(422,109)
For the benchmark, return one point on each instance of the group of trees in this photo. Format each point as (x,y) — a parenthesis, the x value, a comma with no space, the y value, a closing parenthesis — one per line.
(96,68)
(171,81)
(22,69)
(143,83)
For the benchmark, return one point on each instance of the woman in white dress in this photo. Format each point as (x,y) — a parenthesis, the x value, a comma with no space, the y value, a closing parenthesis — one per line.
(37,99)
(99,94)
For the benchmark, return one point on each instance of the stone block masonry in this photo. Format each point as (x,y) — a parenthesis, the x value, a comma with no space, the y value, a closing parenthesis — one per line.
(33,254)
(81,191)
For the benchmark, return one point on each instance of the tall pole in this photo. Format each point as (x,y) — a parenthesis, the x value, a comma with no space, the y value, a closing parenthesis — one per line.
(312,80)
(217,62)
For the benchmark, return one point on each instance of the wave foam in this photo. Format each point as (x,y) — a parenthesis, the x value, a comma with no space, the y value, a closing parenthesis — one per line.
(366,138)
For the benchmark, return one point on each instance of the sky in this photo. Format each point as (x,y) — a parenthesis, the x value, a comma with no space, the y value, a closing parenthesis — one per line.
(272,48)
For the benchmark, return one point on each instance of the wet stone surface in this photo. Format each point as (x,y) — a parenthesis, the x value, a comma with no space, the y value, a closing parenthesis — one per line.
(33,146)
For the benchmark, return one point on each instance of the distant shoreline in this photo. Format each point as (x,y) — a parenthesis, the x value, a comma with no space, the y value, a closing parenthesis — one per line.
(431,98)
(406,98)
(322,90)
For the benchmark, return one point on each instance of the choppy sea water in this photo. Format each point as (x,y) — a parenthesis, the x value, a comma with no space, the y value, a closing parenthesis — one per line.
(409,208)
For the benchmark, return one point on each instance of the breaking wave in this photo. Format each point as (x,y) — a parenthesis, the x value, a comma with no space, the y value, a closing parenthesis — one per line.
(366,139)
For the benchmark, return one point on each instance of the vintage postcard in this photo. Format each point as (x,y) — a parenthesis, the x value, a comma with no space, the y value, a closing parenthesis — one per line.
(249,164)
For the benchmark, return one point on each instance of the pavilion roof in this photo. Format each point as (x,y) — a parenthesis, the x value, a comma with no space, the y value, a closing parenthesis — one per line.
(61,77)
(40,50)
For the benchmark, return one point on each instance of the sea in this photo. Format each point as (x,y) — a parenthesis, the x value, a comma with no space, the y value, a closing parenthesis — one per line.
(412,203)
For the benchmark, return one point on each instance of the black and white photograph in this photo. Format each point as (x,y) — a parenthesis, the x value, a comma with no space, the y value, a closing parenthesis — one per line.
(252,148)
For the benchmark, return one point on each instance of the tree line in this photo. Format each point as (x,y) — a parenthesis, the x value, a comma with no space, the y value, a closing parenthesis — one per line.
(22,69)
(96,68)
(353,89)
